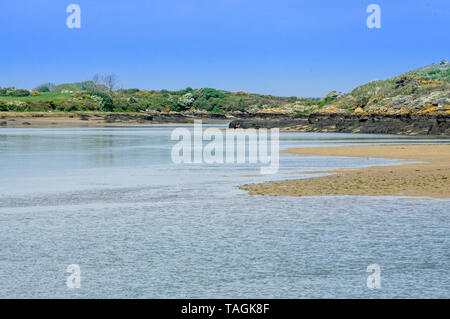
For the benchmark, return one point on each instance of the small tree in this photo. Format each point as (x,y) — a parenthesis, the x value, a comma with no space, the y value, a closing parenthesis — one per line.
(46,87)
(110,81)
(89,86)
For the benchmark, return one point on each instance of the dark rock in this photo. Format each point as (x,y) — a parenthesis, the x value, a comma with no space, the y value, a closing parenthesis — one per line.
(376,124)
(111,118)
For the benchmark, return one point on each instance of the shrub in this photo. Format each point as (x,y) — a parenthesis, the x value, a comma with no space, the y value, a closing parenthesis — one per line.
(186,101)
(19,93)
(107,103)
(200,103)
(362,101)
(208,93)
(3,106)
(42,88)
(129,91)
(216,110)
(50,104)
(132,100)
(45,87)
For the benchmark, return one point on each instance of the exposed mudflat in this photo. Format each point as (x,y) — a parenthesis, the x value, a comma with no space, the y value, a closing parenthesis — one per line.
(430,178)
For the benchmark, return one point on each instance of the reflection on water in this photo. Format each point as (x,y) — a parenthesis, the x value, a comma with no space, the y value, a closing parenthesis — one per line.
(111,201)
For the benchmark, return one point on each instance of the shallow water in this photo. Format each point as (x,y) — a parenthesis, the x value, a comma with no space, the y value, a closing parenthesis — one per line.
(111,201)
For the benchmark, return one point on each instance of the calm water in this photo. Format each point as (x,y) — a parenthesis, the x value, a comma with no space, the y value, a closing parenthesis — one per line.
(111,201)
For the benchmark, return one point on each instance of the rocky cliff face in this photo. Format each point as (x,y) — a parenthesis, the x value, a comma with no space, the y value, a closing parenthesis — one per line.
(377,124)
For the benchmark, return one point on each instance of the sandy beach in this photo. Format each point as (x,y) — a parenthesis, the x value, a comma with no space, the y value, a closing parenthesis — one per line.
(429,178)
(98,119)
(56,119)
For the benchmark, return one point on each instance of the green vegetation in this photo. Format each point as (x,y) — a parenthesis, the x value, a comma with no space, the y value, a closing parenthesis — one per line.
(434,72)
(423,88)
(410,92)
(86,96)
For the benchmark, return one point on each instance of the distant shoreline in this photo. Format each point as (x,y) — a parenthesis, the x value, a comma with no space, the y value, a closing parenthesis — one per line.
(96,119)
(428,179)
(405,124)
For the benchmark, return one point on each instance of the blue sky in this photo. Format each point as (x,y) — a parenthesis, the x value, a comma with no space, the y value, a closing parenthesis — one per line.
(283,47)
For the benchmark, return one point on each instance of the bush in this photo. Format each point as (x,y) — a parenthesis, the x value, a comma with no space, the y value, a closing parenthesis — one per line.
(211,93)
(200,103)
(216,110)
(50,104)
(46,87)
(19,93)
(186,101)
(128,91)
(42,89)
(362,101)
(107,102)
(3,106)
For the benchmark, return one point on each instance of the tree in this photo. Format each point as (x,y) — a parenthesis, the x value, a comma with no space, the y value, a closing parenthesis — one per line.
(110,81)
(96,79)
(46,87)
(94,84)
(88,86)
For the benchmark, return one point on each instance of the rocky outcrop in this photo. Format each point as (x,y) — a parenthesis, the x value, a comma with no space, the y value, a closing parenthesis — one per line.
(411,124)
(376,124)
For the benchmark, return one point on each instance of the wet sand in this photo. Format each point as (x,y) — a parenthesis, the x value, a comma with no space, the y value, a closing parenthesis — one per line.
(53,122)
(429,179)
(95,119)
(56,119)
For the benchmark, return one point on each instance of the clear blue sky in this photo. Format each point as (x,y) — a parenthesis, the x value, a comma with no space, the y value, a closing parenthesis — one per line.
(282,47)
